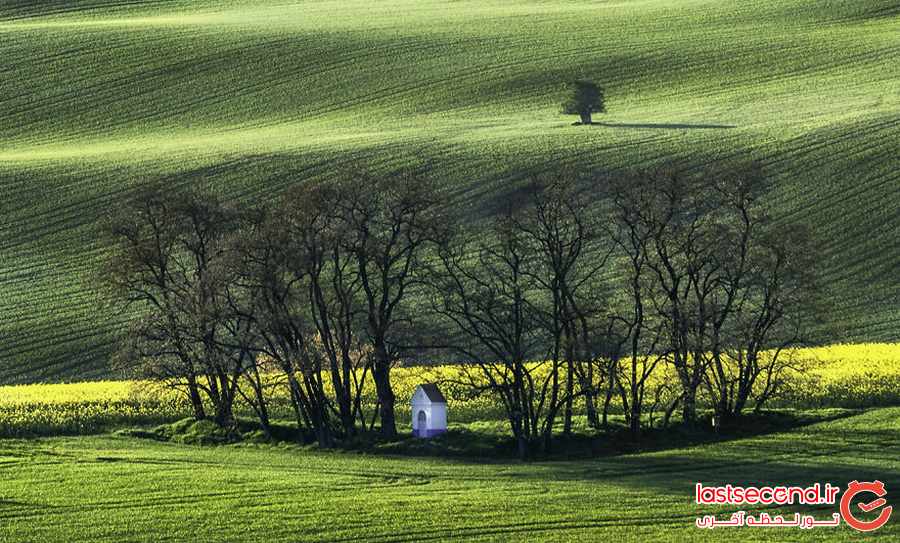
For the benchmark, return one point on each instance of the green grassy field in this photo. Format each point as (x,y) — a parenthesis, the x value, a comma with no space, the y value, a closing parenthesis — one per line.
(98,96)
(115,486)
(125,489)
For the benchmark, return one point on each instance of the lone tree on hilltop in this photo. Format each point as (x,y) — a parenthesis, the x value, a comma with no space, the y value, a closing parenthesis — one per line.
(585,97)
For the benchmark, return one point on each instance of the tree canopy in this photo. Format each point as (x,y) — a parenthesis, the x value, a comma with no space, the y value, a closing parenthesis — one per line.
(585,97)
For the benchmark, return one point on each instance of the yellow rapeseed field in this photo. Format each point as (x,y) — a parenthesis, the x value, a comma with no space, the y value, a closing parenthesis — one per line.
(858,375)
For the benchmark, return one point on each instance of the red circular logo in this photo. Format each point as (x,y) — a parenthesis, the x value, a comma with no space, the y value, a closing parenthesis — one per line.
(855,488)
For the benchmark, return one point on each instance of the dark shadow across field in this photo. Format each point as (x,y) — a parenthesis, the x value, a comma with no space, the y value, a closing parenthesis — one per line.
(671,475)
(483,442)
(835,455)
(465,443)
(650,495)
(665,126)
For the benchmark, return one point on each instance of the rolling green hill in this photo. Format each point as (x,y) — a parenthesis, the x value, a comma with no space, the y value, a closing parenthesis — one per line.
(98,96)
(113,488)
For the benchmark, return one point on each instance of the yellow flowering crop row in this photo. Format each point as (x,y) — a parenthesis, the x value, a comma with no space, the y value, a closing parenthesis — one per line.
(859,375)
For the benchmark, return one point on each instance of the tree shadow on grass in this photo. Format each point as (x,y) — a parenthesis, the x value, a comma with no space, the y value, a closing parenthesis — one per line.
(657,490)
(664,126)
(478,444)
(670,479)
(837,451)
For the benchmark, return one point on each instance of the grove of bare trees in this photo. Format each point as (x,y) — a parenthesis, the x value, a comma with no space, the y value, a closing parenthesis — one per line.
(578,296)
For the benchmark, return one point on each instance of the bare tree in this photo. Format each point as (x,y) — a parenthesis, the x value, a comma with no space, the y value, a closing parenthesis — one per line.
(388,223)
(569,262)
(271,291)
(489,292)
(751,350)
(708,278)
(682,259)
(166,246)
(632,200)
(335,287)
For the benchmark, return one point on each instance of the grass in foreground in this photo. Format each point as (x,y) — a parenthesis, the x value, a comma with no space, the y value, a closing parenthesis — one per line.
(109,488)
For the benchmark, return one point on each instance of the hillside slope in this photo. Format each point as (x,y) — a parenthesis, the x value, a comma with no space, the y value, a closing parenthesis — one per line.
(114,488)
(97,96)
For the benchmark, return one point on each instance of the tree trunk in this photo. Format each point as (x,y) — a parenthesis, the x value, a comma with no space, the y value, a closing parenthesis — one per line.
(570,392)
(585,117)
(224,407)
(196,400)
(606,404)
(323,432)
(634,424)
(671,409)
(636,407)
(381,374)
(548,434)
(262,406)
(262,411)
(302,420)
(590,408)
(589,399)
(745,388)
(689,406)
(224,415)
(521,441)
(341,388)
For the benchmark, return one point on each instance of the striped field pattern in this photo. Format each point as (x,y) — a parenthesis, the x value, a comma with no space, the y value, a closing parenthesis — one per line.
(98,96)
(111,488)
